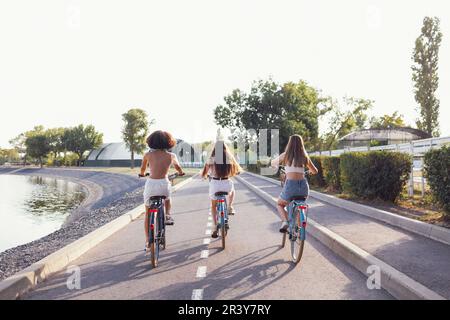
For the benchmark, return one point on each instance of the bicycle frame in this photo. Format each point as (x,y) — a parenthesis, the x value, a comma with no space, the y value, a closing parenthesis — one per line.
(302,208)
(221,209)
(156,209)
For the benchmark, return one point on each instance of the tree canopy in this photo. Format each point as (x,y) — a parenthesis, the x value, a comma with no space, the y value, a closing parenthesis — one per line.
(425,75)
(290,107)
(134,131)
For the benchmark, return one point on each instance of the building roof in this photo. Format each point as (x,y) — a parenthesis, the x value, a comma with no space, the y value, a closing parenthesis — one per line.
(116,151)
(112,151)
(400,133)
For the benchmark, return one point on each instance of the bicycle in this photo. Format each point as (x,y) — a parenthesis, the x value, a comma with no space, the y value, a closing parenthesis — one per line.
(222,216)
(157,224)
(297,219)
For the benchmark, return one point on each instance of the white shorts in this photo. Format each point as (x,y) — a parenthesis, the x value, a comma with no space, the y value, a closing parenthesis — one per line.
(156,187)
(220,186)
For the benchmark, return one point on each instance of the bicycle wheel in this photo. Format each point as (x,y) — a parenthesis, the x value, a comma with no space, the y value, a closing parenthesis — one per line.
(297,243)
(154,246)
(223,230)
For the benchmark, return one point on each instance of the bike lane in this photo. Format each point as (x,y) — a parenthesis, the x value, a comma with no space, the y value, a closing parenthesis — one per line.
(252,267)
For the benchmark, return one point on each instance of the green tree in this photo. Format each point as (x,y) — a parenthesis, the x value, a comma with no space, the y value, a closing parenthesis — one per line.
(343,122)
(37,146)
(55,138)
(387,121)
(134,131)
(81,139)
(425,75)
(291,108)
(18,142)
(8,155)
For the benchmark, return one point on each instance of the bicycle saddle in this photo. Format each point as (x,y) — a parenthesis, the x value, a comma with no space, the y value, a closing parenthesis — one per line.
(218,194)
(298,198)
(157,198)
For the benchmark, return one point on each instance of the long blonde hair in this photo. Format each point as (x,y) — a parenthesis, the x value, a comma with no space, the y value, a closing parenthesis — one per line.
(225,165)
(295,153)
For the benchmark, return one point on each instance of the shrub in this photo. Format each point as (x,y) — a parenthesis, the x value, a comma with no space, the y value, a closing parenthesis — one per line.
(318,179)
(332,172)
(375,174)
(437,173)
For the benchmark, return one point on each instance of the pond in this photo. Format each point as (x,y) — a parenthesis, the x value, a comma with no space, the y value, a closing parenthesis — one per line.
(33,207)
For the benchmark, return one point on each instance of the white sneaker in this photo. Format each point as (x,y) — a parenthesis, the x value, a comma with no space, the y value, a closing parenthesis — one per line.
(284,226)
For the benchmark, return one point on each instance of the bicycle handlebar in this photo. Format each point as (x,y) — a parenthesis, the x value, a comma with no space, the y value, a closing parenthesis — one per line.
(171,177)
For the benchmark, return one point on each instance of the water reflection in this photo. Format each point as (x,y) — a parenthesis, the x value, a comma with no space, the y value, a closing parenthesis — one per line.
(32,207)
(53,196)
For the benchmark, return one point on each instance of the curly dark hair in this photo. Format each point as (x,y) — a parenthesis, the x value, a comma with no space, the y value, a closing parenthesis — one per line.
(161,140)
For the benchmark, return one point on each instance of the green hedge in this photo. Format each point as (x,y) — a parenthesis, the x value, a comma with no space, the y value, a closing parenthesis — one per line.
(332,173)
(437,173)
(375,174)
(318,179)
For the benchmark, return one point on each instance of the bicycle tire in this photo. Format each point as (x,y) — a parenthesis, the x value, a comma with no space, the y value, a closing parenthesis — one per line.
(154,246)
(297,244)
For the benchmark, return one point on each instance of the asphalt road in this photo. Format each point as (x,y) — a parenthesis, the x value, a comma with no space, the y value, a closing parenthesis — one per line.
(253,266)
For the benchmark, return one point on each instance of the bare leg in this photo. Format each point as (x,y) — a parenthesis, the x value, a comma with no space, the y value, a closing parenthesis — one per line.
(281,211)
(168,206)
(230,201)
(214,211)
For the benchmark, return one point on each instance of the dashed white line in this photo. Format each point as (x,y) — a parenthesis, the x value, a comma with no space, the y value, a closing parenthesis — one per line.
(208,232)
(206,241)
(209,218)
(204,254)
(201,272)
(209,224)
(197,294)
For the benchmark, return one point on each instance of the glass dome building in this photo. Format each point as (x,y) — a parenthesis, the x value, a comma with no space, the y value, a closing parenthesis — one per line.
(112,155)
(117,155)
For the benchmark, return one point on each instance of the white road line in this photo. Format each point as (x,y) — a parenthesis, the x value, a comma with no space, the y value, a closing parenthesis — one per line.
(204,254)
(206,241)
(209,218)
(208,232)
(197,294)
(201,272)
(209,224)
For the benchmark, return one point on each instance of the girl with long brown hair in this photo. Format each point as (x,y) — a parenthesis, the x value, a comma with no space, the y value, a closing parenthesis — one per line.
(221,167)
(295,159)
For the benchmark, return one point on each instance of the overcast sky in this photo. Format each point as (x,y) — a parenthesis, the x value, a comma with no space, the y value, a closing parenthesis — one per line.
(65,62)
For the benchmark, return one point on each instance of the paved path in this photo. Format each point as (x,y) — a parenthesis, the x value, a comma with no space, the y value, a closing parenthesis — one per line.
(423,259)
(252,267)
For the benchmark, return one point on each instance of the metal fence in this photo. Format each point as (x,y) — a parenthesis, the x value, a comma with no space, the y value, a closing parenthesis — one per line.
(416,148)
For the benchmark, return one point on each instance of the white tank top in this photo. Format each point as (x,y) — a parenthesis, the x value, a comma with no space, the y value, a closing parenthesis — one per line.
(289,169)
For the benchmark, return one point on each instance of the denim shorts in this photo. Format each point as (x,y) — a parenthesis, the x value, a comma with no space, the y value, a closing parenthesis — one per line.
(295,188)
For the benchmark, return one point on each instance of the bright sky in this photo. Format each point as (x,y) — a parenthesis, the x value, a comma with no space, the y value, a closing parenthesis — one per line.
(65,62)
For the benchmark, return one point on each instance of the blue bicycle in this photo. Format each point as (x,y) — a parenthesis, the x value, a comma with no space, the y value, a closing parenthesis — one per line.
(297,219)
(222,216)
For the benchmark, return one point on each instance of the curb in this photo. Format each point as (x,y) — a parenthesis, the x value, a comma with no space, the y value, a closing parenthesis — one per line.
(15,286)
(393,281)
(421,228)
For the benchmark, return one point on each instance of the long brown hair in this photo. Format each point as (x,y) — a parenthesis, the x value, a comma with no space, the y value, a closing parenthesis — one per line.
(295,153)
(225,165)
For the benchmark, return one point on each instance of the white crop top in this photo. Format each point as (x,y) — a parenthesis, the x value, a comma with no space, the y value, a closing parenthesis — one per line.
(289,169)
